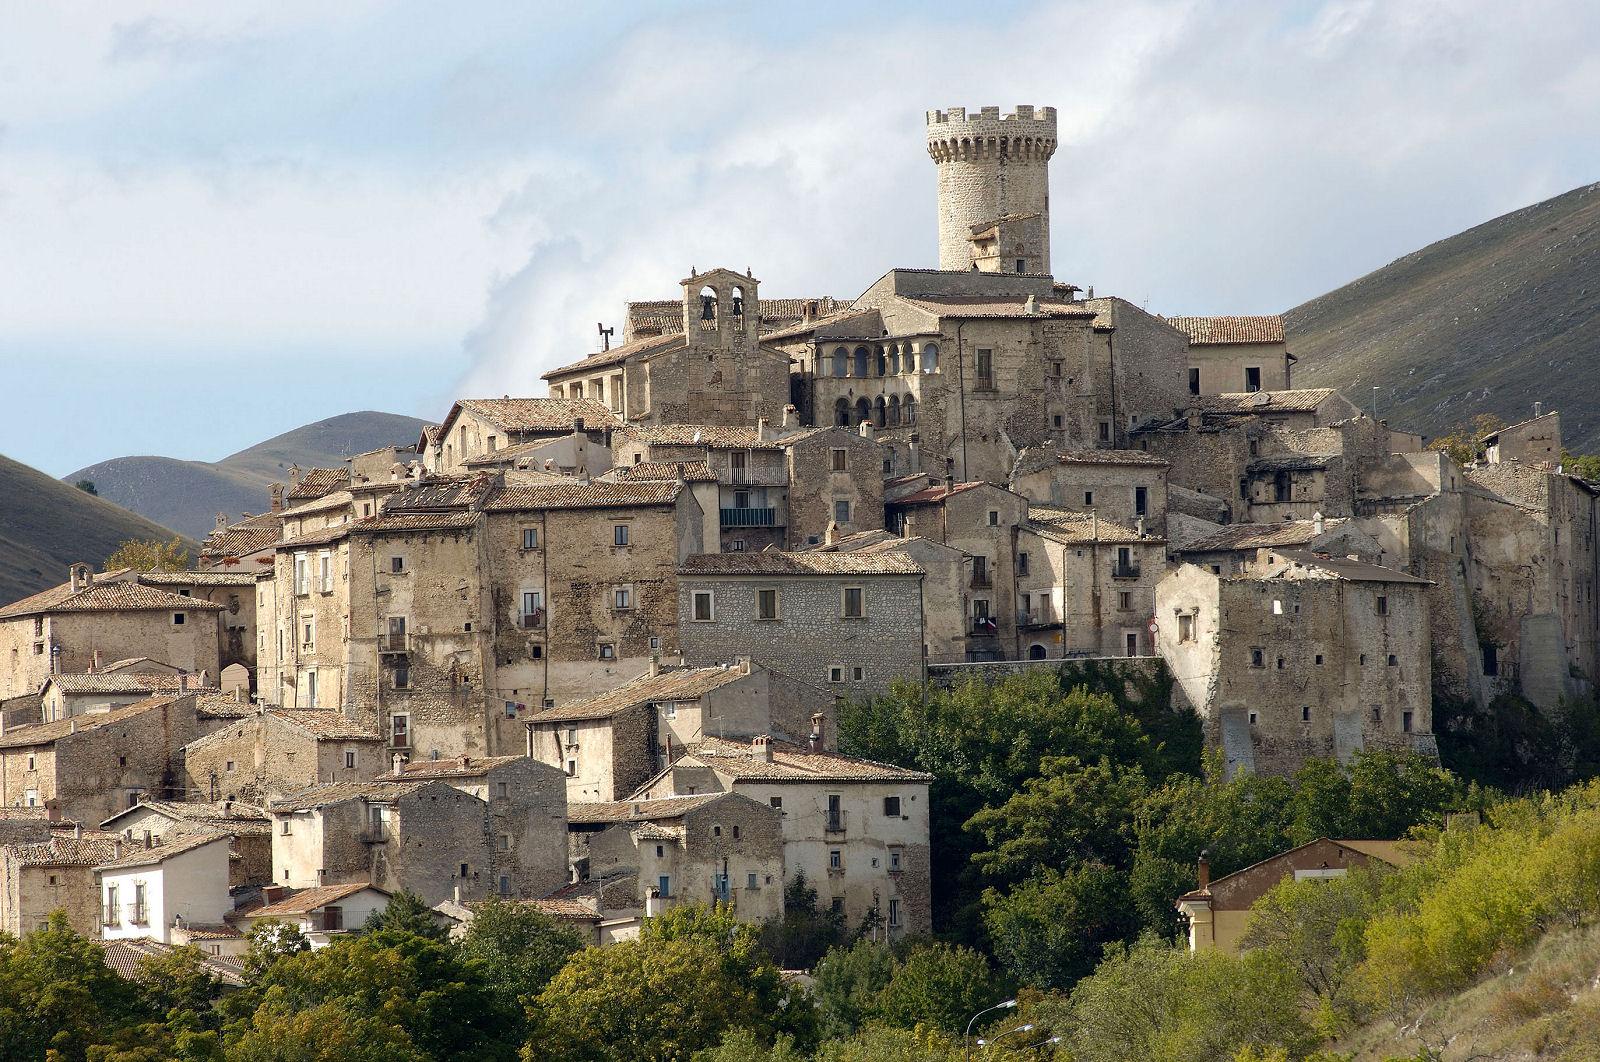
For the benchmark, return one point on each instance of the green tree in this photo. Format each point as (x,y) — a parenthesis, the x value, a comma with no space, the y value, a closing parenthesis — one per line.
(743,1045)
(847,984)
(1068,812)
(941,986)
(1316,928)
(1585,465)
(1380,794)
(58,995)
(406,913)
(147,556)
(268,941)
(87,486)
(520,949)
(1049,930)
(881,1044)
(1464,442)
(805,931)
(333,1031)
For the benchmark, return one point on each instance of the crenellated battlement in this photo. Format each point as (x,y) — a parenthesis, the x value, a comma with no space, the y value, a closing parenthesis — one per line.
(993,166)
(1026,133)
(1023,113)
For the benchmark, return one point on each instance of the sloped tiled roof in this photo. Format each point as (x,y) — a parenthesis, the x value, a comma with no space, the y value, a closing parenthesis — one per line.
(1259,536)
(224,816)
(665,316)
(773,562)
(617,355)
(645,471)
(132,662)
(679,684)
(197,579)
(101,596)
(126,958)
(596,494)
(326,725)
(795,763)
(711,436)
(241,540)
(45,733)
(458,767)
(318,796)
(126,682)
(138,856)
(318,481)
(307,900)
(1299,400)
(1071,527)
(999,306)
(1208,331)
(1355,571)
(663,808)
(934,495)
(537,414)
(63,850)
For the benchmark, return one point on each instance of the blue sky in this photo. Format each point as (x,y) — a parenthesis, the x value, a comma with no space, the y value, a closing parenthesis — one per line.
(218,222)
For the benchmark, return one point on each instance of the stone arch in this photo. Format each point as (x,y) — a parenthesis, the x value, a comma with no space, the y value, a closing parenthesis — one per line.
(882,362)
(708,303)
(894,411)
(738,301)
(908,410)
(860,367)
(880,412)
(863,410)
(930,357)
(841,412)
(1036,651)
(841,362)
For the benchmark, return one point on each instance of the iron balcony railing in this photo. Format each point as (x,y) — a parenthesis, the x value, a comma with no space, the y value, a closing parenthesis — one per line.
(749,517)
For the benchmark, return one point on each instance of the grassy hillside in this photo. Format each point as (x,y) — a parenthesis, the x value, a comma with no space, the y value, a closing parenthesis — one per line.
(45,525)
(187,495)
(1488,321)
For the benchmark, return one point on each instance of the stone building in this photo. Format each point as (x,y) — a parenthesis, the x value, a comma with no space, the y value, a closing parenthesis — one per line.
(90,767)
(250,861)
(275,751)
(236,593)
(946,586)
(610,745)
(717,370)
(1534,442)
(1085,586)
(722,847)
(1233,354)
(150,890)
(481,427)
(1124,486)
(852,624)
(1319,407)
(114,615)
(1235,548)
(38,878)
(64,696)
(1305,656)
(856,829)
(994,187)
(981,520)
(323,913)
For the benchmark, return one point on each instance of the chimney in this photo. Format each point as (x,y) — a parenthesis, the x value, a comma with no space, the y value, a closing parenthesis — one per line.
(77,831)
(399,762)
(761,749)
(294,475)
(275,497)
(831,535)
(763,429)
(655,664)
(116,850)
(238,695)
(744,664)
(790,416)
(222,521)
(1538,409)
(227,809)
(52,808)
(809,313)
(866,429)
(1203,866)
(652,903)
(455,893)
(183,682)
(271,893)
(147,842)
(205,679)
(94,664)
(1139,526)
(814,742)
(1316,522)
(577,425)
(1031,306)
(908,526)
(80,577)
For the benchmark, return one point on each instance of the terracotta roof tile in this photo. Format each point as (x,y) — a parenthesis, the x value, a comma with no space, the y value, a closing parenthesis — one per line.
(45,733)
(1069,526)
(795,763)
(101,596)
(197,579)
(1300,400)
(133,682)
(773,562)
(537,414)
(127,957)
(711,436)
(241,540)
(663,808)
(1258,536)
(325,724)
(138,856)
(681,684)
(316,482)
(222,816)
(597,494)
(687,471)
(1208,331)
(617,355)
(459,766)
(318,796)
(933,495)
(307,900)
(65,851)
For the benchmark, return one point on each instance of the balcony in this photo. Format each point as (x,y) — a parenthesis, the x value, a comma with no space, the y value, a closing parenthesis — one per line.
(138,916)
(392,644)
(531,621)
(1125,571)
(982,580)
(749,517)
(836,822)
(375,835)
(112,917)
(985,627)
(1040,618)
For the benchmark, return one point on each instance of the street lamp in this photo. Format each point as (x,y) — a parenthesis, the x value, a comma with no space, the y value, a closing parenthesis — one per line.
(966,1038)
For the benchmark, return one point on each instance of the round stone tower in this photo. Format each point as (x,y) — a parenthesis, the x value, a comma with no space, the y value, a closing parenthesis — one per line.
(994,187)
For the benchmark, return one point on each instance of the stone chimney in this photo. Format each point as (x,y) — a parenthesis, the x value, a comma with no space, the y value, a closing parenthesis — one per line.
(148,843)
(761,748)
(743,663)
(116,851)
(655,664)
(455,893)
(275,497)
(814,742)
(866,429)
(1139,526)
(831,535)
(1030,306)
(183,682)
(809,311)
(398,762)
(577,425)
(294,475)
(222,521)
(763,429)
(908,526)
(638,808)
(1203,867)
(94,664)
(1316,522)
(791,417)
(77,831)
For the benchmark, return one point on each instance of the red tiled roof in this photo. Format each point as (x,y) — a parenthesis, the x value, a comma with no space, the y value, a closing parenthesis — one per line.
(932,495)
(680,684)
(796,763)
(536,414)
(1211,331)
(617,355)
(1300,400)
(687,471)
(307,900)
(45,733)
(106,597)
(318,481)
(597,494)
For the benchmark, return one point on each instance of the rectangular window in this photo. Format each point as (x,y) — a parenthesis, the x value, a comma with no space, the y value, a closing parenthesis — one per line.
(1383,605)
(302,574)
(1305,714)
(177,619)
(572,768)
(532,608)
(400,730)
(397,565)
(1022,563)
(1258,657)
(704,606)
(113,913)
(985,367)
(1088,497)
(607,651)
(1405,722)
(841,511)
(349,759)
(1491,659)
(1194,381)
(857,674)
(308,631)
(776,802)
(1105,431)
(839,460)
(1186,628)
(139,912)
(325,572)
(994,518)
(1125,600)
(894,860)
(894,901)
(619,534)
(401,676)
(622,597)
(766,604)
(891,807)
(530,538)
(853,603)
(1141,501)
(1252,378)
(835,859)
(836,674)
(664,886)
(738,461)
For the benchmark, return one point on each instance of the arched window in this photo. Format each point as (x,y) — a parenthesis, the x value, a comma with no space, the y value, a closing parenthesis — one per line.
(863,411)
(841,362)
(841,412)
(894,411)
(708,304)
(883,362)
(1035,651)
(908,411)
(930,357)
(880,412)
(894,360)
(738,301)
(861,362)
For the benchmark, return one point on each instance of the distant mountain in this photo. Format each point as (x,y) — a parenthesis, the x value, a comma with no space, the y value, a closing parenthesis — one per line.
(46,525)
(1490,320)
(187,495)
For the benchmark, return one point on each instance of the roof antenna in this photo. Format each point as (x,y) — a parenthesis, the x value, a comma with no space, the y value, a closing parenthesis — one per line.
(605,335)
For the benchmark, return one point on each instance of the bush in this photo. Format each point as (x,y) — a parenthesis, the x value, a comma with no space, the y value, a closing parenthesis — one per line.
(940,986)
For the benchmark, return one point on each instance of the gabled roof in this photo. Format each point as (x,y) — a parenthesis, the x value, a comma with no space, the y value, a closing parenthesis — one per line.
(645,471)
(1354,571)
(1258,536)
(134,683)
(678,684)
(774,562)
(518,415)
(794,763)
(62,850)
(46,733)
(639,348)
(316,482)
(126,957)
(1395,853)
(196,579)
(1299,400)
(1044,308)
(233,816)
(1038,458)
(325,725)
(665,316)
(711,436)
(658,810)
(140,856)
(304,901)
(1212,331)
(462,767)
(243,539)
(319,796)
(935,495)
(596,494)
(106,596)
(133,662)
(1073,528)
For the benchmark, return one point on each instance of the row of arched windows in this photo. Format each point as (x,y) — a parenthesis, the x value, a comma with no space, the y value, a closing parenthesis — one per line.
(891,360)
(892,412)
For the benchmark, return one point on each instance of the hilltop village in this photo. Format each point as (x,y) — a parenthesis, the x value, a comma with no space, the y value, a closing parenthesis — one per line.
(586,648)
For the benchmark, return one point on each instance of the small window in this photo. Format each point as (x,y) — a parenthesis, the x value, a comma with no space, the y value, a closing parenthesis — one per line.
(1022,563)
(465,870)
(502,790)
(1186,628)
(619,534)
(1141,501)
(841,511)
(716,831)
(1194,381)
(227,767)
(1319,659)
(1254,718)
(349,759)
(622,598)
(1394,661)
(1362,660)
(1383,605)
(891,807)
(994,518)
(767,604)
(1125,600)
(178,619)
(607,651)
(1088,497)
(840,460)
(704,606)
(397,565)
(835,859)
(1277,607)
(1405,722)
(1252,378)
(530,538)
(287,828)
(505,842)
(857,674)
(835,674)
(853,603)
(1258,657)
(572,768)
(776,802)
(1305,713)
(1105,431)
(1377,714)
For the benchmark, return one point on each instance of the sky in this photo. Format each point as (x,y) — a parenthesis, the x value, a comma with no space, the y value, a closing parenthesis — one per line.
(222,221)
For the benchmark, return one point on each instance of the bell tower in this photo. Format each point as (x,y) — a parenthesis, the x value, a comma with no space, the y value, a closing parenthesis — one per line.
(994,187)
(721,310)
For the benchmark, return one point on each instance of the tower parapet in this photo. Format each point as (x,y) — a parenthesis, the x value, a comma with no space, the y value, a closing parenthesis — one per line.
(994,187)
